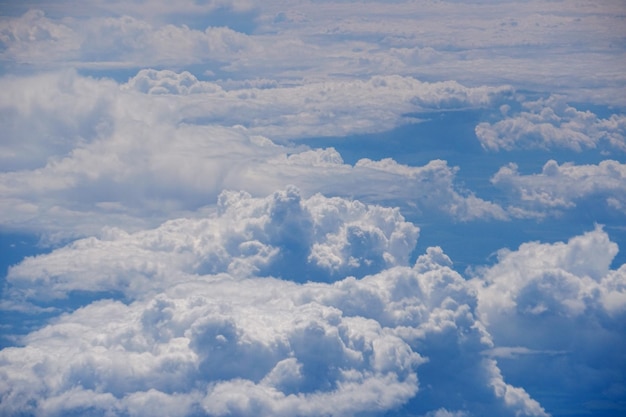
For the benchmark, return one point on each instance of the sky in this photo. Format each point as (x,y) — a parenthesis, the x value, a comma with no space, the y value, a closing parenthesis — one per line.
(313,208)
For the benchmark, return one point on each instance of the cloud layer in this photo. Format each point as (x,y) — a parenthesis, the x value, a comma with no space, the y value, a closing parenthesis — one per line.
(568,286)
(150,154)
(226,342)
(206,328)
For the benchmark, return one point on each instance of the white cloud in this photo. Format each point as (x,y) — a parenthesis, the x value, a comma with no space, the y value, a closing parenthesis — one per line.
(130,159)
(562,307)
(525,44)
(224,345)
(334,107)
(115,41)
(319,239)
(567,279)
(551,123)
(279,303)
(560,187)
(32,37)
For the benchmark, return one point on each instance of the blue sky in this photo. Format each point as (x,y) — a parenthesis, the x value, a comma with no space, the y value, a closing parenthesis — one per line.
(344,208)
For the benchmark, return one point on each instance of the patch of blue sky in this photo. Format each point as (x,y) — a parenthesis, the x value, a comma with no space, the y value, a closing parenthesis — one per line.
(450,135)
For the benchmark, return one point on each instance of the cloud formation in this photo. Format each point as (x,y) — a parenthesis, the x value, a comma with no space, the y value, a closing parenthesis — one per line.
(317,40)
(315,239)
(223,344)
(551,123)
(560,187)
(540,287)
(203,255)
(130,153)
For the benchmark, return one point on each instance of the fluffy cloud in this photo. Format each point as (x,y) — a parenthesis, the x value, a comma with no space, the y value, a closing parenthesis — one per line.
(206,329)
(317,239)
(533,291)
(564,186)
(131,150)
(551,123)
(222,345)
(31,38)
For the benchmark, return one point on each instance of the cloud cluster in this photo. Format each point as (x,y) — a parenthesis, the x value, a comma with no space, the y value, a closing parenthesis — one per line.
(162,293)
(120,41)
(560,308)
(222,344)
(560,187)
(332,107)
(207,328)
(316,239)
(136,156)
(551,123)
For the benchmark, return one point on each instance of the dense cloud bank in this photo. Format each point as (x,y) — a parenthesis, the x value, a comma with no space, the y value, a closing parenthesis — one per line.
(287,40)
(204,327)
(561,187)
(83,153)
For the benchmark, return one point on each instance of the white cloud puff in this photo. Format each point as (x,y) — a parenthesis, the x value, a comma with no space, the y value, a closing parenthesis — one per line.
(552,123)
(560,187)
(308,40)
(283,235)
(567,279)
(563,303)
(310,108)
(220,345)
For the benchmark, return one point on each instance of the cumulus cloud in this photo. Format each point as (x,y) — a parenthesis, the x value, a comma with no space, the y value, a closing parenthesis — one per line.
(165,294)
(283,235)
(560,187)
(552,123)
(139,153)
(31,38)
(569,286)
(219,344)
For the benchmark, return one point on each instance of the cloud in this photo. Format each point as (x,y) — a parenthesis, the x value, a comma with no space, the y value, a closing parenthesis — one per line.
(313,41)
(121,41)
(551,123)
(222,345)
(31,38)
(49,115)
(312,108)
(564,304)
(137,154)
(561,187)
(318,239)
